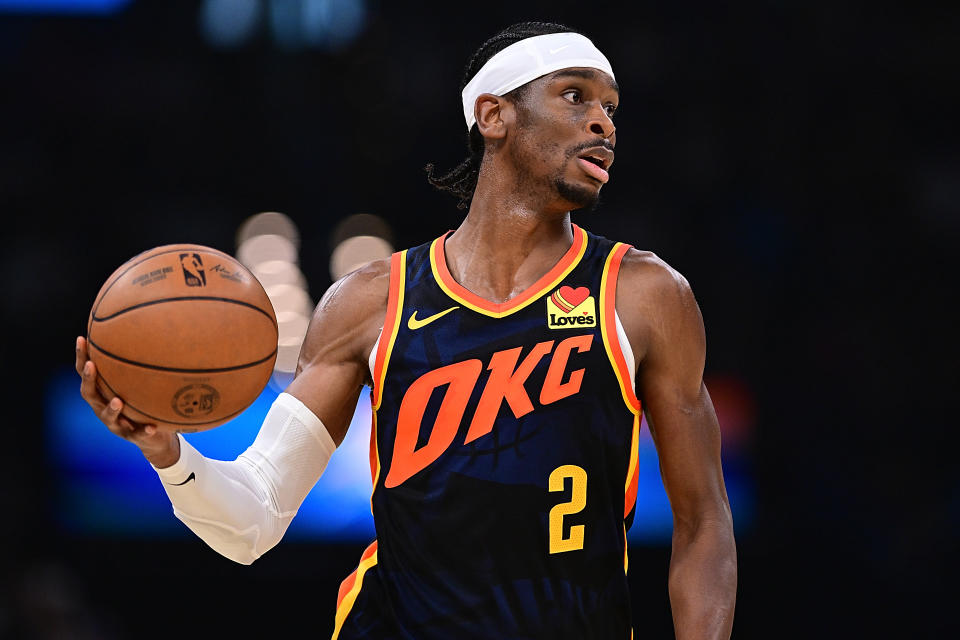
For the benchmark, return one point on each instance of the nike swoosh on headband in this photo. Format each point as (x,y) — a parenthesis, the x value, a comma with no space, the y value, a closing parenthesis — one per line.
(527,60)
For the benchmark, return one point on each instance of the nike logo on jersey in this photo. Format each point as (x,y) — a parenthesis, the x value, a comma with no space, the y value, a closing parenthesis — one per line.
(558,50)
(569,308)
(413,323)
(190,477)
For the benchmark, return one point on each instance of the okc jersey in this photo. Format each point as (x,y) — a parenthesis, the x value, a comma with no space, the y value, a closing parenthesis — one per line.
(503,455)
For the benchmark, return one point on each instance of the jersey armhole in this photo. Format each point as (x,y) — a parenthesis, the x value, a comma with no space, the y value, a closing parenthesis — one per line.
(391,324)
(614,338)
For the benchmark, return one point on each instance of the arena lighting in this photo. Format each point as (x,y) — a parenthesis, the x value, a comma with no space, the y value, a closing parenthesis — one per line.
(265,248)
(268,244)
(229,23)
(358,240)
(355,252)
(320,24)
(71,7)
(291,25)
(274,272)
(269,223)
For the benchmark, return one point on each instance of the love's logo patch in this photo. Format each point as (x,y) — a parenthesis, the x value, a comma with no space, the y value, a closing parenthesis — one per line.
(569,308)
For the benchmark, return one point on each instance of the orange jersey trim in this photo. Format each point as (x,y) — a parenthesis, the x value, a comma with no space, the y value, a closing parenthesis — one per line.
(633,471)
(374,457)
(391,324)
(611,342)
(350,588)
(608,325)
(388,336)
(550,280)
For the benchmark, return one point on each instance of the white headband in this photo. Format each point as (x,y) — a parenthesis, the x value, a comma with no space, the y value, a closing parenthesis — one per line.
(527,60)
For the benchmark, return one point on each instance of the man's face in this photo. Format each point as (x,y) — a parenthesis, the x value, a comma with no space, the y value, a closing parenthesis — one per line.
(564,135)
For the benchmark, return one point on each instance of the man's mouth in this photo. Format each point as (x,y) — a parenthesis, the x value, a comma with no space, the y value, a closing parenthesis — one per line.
(595,162)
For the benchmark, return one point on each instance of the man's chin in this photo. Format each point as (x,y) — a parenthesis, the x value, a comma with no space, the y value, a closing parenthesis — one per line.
(580,196)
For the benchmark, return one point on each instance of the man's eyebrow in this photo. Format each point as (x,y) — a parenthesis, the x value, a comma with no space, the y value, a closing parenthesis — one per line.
(586,74)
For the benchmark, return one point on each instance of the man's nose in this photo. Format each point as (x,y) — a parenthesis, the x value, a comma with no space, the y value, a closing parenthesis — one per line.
(600,123)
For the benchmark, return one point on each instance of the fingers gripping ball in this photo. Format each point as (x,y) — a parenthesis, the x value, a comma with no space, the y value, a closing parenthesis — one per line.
(185,335)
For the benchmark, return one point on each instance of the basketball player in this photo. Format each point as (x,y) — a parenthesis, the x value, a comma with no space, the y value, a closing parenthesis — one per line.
(508,361)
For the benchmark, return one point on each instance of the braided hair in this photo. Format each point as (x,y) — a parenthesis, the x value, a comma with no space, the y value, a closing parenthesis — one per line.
(461,181)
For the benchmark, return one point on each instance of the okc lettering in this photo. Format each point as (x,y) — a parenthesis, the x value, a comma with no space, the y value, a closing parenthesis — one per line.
(505,383)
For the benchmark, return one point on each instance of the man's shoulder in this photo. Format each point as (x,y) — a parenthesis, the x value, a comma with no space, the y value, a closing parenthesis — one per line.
(647,270)
(360,291)
(347,320)
(647,281)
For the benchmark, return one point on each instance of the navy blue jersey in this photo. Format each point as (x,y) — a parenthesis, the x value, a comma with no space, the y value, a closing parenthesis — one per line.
(503,454)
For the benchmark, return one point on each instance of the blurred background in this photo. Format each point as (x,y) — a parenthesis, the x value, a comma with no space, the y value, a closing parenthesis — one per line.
(797,161)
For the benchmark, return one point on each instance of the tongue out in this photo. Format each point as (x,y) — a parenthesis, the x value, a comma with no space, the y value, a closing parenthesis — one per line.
(593,170)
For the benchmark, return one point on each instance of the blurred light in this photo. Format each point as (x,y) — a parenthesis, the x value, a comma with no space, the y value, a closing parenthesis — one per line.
(267,244)
(735,407)
(98,7)
(288,297)
(358,240)
(229,23)
(284,23)
(361,224)
(259,249)
(288,353)
(292,325)
(332,24)
(269,223)
(355,252)
(273,272)
(327,24)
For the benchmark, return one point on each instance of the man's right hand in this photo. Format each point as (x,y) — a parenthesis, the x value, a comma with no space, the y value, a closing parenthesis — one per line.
(160,447)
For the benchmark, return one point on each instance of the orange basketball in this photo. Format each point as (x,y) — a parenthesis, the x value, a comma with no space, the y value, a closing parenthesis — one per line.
(185,335)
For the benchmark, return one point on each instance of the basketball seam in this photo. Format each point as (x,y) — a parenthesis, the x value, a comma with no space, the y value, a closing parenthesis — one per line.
(95,318)
(162,253)
(177,369)
(158,419)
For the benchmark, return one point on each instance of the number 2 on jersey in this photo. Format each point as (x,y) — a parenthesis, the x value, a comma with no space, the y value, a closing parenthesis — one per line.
(578,500)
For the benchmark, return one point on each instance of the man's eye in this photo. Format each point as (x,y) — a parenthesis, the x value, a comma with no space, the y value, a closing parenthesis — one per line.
(573,96)
(611,109)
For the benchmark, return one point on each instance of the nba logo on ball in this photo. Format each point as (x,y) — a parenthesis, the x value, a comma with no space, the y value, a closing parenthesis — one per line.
(193,273)
(569,308)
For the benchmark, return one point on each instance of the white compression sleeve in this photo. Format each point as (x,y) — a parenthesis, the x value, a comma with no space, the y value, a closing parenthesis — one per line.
(242,508)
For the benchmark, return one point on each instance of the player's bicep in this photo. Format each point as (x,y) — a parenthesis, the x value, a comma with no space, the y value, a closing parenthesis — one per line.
(333,360)
(679,411)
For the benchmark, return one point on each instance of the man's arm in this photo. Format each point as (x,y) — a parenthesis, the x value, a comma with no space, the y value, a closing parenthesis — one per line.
(333,364)
(243,507)
(664,325)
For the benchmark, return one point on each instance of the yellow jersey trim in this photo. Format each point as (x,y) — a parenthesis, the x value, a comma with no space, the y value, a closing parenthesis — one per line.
(540,288)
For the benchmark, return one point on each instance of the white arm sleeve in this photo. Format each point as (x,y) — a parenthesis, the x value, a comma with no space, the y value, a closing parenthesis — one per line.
(242,508)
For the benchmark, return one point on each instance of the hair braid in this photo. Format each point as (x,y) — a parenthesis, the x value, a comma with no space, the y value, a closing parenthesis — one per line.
(461,181)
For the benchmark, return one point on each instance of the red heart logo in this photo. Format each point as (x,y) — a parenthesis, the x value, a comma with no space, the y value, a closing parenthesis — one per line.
(574,296)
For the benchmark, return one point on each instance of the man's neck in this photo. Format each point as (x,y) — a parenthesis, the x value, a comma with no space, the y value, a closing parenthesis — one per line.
(505,244)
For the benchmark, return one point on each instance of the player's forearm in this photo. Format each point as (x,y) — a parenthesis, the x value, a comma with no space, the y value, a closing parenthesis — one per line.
(703,578)
(242,508)
(225,504)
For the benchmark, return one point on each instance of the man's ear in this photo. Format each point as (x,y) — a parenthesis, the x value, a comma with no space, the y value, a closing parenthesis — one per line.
(493,114)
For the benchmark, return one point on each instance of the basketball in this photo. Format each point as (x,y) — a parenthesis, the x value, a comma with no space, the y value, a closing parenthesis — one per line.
(185,335)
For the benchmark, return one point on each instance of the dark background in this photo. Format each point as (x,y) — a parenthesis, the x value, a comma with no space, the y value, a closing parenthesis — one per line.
(797,161)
